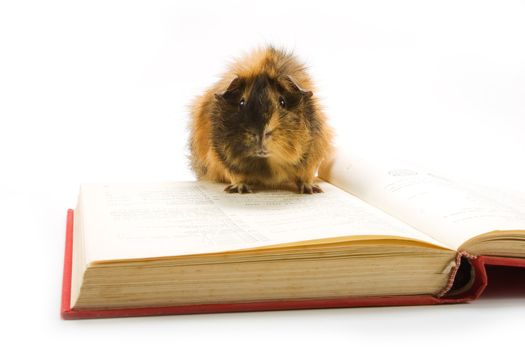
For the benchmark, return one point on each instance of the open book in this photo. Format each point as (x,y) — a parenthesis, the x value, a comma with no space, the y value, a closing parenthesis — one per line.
(379,235)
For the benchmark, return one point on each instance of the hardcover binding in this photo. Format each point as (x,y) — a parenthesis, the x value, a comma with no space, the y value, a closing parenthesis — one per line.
(473,293)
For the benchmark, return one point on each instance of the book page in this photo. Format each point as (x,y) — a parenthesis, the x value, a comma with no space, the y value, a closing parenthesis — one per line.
(509,197)
(446,210)
(168,219)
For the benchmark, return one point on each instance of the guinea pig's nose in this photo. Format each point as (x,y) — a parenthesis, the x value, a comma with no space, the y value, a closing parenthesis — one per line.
(262,146)
(263,153)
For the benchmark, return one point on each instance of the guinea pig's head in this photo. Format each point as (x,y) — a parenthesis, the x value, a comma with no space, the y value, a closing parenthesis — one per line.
(264,117)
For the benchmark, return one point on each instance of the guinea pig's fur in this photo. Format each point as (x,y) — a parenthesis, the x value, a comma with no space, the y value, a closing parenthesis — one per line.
(260,125)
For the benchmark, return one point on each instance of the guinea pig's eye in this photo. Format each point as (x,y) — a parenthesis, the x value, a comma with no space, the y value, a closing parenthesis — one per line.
(282,102)
(241,103)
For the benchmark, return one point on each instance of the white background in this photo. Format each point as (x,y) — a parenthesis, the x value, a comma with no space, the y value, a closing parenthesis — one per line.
(99,91)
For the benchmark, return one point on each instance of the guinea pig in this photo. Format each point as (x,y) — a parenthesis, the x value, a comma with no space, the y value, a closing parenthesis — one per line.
(260,125)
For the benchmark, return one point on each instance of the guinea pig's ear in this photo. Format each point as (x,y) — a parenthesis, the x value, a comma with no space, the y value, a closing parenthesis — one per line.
(291,82)
(233,89)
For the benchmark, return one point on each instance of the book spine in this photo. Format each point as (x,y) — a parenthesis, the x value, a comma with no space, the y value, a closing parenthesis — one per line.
(467,281)
(458,272)
(469,278)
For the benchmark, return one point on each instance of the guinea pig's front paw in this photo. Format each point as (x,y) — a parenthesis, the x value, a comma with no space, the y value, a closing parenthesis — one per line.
(238,188)
(308,188)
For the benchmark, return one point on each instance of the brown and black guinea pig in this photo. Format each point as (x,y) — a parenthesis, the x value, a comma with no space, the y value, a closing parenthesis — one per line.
(260,125)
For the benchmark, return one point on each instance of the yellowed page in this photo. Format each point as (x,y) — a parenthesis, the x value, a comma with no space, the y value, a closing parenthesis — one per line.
(448,211)
(167,219)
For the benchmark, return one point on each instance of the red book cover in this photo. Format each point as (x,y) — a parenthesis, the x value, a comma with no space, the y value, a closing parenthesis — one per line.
(475,290)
